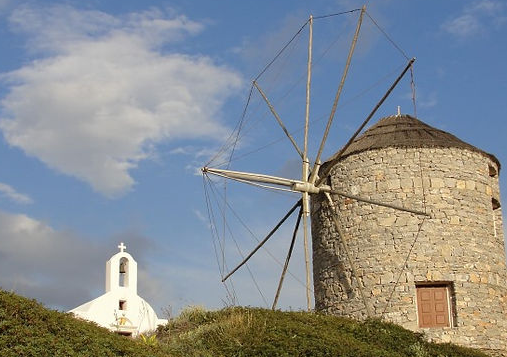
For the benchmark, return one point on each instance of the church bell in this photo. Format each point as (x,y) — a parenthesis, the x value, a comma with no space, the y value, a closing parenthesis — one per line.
(122,268)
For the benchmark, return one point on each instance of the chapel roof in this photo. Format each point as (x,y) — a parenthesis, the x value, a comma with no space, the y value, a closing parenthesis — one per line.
(404,131)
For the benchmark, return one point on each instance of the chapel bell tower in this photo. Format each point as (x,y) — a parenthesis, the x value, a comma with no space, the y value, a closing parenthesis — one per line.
(121,272)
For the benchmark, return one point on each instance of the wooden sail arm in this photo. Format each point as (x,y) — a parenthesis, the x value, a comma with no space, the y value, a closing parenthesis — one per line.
(270,234)
(279,120)
(301,186)
(366,200)
(337,96)
(323,175)
(294,185)
(306,167)
(287,259)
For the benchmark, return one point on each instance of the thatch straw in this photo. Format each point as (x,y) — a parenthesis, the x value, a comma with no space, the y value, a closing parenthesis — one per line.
(404,131)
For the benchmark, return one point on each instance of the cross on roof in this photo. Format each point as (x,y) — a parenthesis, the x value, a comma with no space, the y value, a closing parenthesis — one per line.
(122,247)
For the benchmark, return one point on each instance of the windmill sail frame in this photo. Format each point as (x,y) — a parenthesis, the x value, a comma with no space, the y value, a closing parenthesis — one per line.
(312,181)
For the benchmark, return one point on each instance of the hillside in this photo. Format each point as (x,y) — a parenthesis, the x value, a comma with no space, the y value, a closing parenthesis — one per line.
(29,329)
(259,332)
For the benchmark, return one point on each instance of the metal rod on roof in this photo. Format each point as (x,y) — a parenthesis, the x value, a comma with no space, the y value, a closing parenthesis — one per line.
(381,101)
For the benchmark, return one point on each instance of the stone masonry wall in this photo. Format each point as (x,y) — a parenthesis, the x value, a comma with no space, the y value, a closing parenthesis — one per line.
(461,243)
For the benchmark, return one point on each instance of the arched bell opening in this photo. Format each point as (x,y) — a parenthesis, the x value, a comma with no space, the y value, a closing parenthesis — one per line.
(124,272)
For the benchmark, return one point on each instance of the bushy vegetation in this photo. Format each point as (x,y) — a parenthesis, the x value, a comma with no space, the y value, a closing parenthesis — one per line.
(258,332)
(29,329)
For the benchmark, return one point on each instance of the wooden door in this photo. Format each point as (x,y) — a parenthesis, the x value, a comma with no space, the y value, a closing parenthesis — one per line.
(433,306)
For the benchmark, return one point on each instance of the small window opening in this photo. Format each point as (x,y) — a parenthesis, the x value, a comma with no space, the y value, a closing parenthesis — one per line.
(124,333)
(495,203)
(493,172)
(435,306)
(122,305)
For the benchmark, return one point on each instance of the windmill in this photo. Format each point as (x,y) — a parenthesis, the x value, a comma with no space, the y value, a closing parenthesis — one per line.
(313,179)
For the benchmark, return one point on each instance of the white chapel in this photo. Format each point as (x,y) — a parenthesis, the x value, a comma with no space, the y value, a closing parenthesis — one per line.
(120,309)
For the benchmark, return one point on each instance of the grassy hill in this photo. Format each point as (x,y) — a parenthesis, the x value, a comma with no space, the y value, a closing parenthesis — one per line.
(259,332)
(29,329)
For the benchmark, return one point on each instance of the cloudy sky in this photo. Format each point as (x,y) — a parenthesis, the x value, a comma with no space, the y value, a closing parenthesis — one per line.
(108,109)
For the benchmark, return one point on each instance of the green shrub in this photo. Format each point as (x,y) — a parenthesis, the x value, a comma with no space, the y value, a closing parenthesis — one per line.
(245,332)
(29,329)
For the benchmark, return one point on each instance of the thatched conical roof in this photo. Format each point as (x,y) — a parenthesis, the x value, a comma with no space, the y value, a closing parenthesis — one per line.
(404,131)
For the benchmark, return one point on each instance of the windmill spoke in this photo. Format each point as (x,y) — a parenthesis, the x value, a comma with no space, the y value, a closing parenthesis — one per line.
(307,101)
(289,254)
(298,203)
(247,176)
(278,119)
(252,178)
(313,176)
(307,263)
(373,202)
(253,183)
(382,100)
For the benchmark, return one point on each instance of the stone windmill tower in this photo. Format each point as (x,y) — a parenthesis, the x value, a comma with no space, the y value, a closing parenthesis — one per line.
(444,274)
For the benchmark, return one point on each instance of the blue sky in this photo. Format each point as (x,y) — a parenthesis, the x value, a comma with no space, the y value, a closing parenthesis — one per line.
(109,108)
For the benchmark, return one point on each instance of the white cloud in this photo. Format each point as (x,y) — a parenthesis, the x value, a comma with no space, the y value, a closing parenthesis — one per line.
(106,91)
(475,18)
(12,194)
(200,216)
(179,151)
(487,6)
(463,26)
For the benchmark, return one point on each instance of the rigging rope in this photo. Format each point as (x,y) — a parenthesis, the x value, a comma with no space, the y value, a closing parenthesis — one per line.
(336,14)
(239,249)
(278,55)
(404,266)
(214,235)
(300,79)
(252,234)
(235,133)
(281,68)
(238,132)
(412,86)
(281,51)
(402,270)
(344,104)
(387,36)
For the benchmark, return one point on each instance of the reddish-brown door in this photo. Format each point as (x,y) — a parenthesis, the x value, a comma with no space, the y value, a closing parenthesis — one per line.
(433,306)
